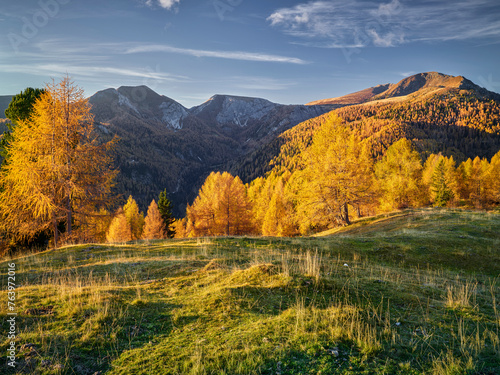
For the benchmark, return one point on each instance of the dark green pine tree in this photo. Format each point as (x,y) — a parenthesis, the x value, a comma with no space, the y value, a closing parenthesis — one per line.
(19,109)
(439,186)
(165,208)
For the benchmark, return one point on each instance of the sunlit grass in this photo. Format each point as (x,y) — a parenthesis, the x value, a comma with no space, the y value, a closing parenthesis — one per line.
(397,295)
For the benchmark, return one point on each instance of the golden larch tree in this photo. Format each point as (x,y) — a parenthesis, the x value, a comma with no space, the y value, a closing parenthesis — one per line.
(338,174)
(221,208)
(119,229)
(399,177)
(134,217)
(154,226)
(58,171)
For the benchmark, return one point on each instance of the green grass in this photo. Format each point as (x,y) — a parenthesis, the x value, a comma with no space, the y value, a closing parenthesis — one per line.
(409,293)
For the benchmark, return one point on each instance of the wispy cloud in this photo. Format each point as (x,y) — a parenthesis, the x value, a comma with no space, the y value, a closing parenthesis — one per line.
(86,51)
(231,55)
(89,71)
(338,24)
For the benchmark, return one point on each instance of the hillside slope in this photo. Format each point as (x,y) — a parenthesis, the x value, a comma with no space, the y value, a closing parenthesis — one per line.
(414,293)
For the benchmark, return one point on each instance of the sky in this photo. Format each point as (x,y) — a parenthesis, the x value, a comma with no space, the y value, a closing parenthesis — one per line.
(289,52)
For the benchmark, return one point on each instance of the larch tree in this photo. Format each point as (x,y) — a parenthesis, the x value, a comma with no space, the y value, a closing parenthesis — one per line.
(399,176)
(338,174)
(492,180)
(221,208)
(134,218)
(276,213)
(58,171)
(473,177)
(154,226)
(119,230)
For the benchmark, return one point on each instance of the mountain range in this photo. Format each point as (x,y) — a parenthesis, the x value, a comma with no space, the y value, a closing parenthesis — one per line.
(163,144)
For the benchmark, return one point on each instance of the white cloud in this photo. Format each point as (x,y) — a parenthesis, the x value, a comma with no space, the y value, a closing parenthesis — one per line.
(341,24)
(231,55)
(165,4)
(168,4)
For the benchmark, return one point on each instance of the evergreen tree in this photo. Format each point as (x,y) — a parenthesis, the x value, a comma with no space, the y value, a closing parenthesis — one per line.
(154,226)
(165,208)
(443,193)
(20,109)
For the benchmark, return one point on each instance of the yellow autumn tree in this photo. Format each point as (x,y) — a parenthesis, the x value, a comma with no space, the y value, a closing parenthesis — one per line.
(134,217)
(492,180)
(473,180)
(58,171)
(154,226)
(338,175)
(221,208)
(399,177)
(119,229)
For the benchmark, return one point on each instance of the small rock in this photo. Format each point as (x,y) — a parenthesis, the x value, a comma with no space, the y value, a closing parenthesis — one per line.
(346,265)
(333,352)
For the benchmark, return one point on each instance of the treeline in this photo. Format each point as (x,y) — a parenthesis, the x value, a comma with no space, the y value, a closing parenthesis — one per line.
(334,178)
(128,224)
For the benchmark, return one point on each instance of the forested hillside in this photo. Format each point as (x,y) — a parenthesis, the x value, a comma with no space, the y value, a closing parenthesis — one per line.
(458,123)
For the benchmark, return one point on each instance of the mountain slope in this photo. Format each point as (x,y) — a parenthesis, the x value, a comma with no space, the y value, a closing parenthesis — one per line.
(165,145)
(356,97)
(439,113)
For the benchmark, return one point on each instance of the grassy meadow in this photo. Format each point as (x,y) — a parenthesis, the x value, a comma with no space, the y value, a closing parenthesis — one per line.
(413,292)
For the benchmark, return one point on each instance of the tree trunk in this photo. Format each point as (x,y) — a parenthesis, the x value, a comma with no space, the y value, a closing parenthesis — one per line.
(69,217)
(344,214)
(56,234)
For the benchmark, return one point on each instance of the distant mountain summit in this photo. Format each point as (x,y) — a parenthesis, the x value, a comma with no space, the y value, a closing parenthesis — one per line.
(416,86)
(140,102)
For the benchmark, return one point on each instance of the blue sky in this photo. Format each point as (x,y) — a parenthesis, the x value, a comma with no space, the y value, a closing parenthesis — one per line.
(286,51)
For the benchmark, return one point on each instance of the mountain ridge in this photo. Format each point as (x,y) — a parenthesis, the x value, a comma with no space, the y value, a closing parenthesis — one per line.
(417,84)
